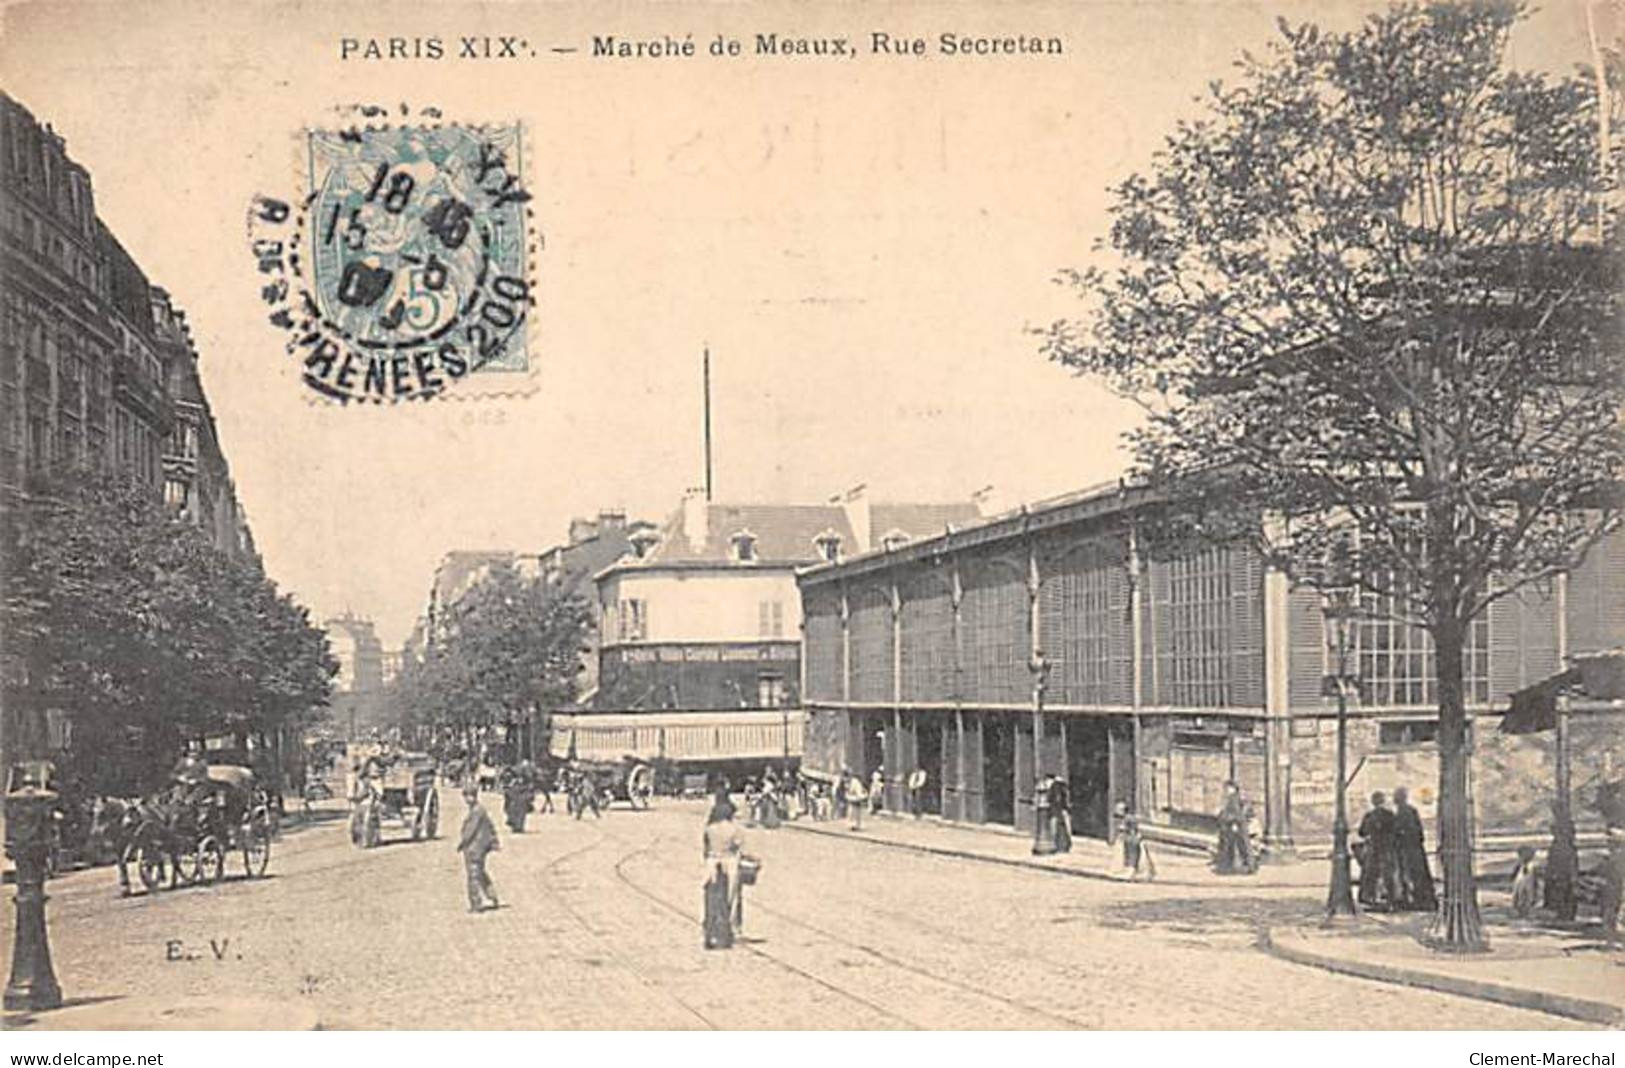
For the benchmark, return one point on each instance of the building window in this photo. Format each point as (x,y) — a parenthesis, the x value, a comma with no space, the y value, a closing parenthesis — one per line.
(632,616)
(744,546)
(1396,659)
(894,539)
(1200,606)
(770,619)
(771,691)
(828,545)
(175,494)
(1407,733)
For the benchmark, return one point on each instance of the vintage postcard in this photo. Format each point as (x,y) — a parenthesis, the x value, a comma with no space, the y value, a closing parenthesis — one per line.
(813,516)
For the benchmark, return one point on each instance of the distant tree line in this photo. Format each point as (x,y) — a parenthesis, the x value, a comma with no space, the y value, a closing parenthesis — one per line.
(508,651)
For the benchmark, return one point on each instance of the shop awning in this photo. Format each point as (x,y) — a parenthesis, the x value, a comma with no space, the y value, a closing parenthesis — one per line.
(1596,675)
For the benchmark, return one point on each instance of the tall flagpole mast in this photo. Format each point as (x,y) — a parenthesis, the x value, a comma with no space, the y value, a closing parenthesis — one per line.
(708,423)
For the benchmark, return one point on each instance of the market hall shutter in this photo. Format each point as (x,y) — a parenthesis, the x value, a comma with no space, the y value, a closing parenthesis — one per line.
(1160,647)
(1306,658)
(1596,597)
(1247,628)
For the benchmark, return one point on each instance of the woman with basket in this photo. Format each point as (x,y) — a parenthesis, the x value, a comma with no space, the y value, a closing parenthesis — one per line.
(727,869)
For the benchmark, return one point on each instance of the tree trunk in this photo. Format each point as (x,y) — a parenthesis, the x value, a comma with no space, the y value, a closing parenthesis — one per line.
(1458,928)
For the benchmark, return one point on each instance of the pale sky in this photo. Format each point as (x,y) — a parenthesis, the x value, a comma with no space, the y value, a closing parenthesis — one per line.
(863,243)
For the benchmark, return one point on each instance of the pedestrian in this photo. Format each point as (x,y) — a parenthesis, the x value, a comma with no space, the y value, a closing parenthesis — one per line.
(916,787)
(1613,885)
(877,790)
(724,844)
(1525,882)
(1415,878)
(1043,829)
(1137,860)
(518,794)
(1060,809)
(1232,854)
(1379,886)
(771,813)
(856,798)
(478,840)
(838,797)
(544,787)
(586,796)
(823,805)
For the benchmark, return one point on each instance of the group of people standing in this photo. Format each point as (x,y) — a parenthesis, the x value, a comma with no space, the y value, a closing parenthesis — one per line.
(1393,857)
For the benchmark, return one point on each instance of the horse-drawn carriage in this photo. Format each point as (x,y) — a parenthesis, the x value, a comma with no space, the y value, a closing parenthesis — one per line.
(397,787)
(630,780)
(211,811)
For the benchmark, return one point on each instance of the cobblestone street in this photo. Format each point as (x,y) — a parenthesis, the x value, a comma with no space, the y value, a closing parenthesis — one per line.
(599,928)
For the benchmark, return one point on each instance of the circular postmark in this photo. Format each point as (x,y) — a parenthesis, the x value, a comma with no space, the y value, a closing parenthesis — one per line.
(405,267)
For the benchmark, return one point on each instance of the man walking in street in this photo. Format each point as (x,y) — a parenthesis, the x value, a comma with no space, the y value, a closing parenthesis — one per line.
(478,839)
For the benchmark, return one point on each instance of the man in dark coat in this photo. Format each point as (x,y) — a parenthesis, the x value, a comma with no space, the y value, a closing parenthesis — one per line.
(1233,854)
(1415,878)
(1379,884)
(478,839)
(518,794)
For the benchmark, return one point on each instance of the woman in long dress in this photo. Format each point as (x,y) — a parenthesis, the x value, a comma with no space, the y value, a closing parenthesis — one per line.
(724,902)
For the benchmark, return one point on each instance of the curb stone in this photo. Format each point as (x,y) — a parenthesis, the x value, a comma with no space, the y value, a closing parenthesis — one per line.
(1014,862)
(1583,1009)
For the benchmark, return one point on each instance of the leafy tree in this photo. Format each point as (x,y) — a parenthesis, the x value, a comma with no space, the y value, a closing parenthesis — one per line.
(509,648)
(133,623)
(1372,294)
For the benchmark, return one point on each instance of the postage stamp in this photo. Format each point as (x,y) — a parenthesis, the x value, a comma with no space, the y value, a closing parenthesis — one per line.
(405,272)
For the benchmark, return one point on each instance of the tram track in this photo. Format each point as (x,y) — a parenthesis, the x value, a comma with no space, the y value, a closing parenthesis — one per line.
(955,936)
(752,948)
(551,869)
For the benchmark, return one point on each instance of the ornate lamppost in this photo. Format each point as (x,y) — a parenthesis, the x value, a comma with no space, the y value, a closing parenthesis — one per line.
(1039,665)
(33,985)
(1339,604)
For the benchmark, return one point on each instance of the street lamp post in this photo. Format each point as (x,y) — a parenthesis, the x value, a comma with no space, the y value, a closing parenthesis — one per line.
(32,985)
(1039,665)
(1339,606)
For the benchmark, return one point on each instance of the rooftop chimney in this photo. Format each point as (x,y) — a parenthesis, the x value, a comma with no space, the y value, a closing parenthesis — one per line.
(696,518)
(855,502)
(986,500)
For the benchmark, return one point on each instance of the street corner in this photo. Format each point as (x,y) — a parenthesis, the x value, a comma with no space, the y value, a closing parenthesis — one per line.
(1542,976)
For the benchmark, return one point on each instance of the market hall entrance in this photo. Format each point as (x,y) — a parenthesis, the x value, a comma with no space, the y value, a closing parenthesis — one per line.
(998,769)
(928,756)
(1100,770)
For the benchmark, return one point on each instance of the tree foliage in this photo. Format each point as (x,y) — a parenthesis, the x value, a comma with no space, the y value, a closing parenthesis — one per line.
(509,647)
(127,619)
(1372,293)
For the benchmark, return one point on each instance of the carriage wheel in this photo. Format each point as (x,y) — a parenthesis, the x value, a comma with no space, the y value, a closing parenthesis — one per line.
(187,862)
(211,860)
(256,849)
(431,822)
(149,866)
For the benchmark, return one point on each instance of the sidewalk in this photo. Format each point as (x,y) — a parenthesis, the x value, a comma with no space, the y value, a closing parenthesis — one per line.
(1090,858)
(147,1013)
(1563,971)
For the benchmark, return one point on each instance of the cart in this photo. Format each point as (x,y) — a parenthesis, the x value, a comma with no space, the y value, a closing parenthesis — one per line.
(398,788)
(630,780)
(216,810)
